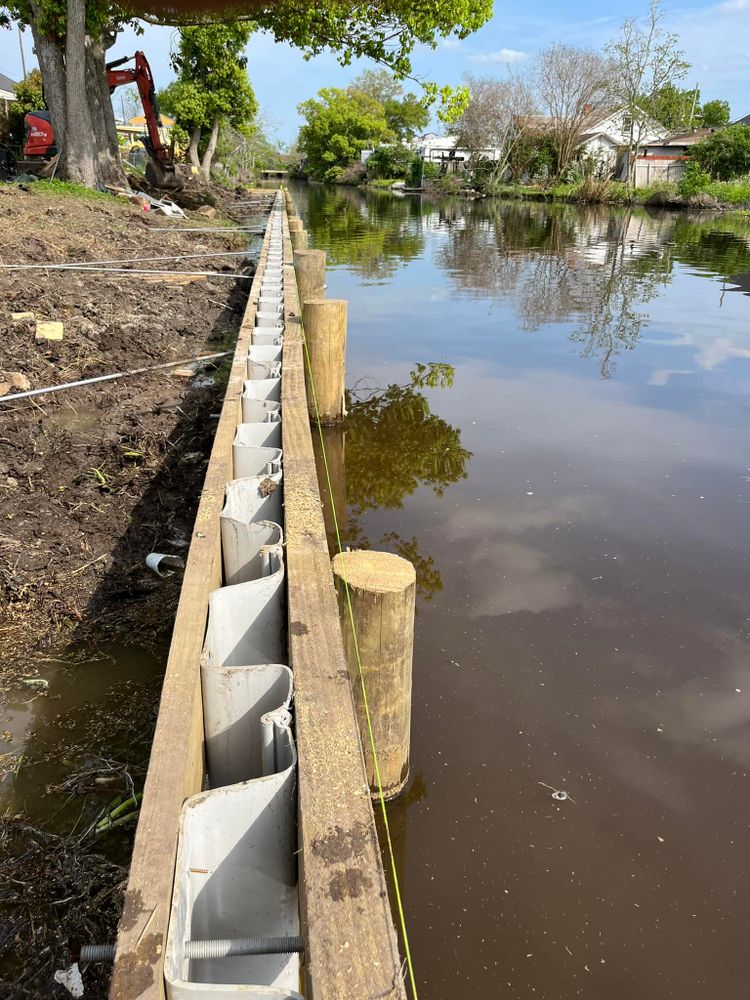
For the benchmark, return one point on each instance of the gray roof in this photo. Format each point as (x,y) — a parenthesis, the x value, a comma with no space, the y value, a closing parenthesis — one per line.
(6,83)
(743,121)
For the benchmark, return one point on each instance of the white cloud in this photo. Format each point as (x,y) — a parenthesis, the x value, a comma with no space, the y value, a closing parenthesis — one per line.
(731,6)
(501,56)
(450,43)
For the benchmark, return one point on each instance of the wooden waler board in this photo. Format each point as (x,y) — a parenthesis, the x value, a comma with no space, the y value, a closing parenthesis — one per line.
(351,949)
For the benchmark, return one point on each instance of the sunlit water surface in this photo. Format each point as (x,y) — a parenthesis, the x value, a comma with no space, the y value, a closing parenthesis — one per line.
(570,473)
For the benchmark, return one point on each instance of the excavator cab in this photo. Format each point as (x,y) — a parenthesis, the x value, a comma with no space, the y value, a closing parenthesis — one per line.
(39,135)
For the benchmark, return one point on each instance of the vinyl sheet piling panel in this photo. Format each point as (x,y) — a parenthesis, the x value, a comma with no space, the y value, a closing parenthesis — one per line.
(236,876)
(236,873)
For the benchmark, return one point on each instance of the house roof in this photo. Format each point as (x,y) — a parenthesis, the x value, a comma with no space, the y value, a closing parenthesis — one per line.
(742,121)
(6,83)
(683,138)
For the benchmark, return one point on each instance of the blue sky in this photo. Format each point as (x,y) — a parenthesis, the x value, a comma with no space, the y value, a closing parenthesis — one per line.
(713,35)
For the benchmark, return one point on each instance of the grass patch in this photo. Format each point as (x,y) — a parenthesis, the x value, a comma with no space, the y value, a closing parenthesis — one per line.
(65,189)
(383,182)
(735,192)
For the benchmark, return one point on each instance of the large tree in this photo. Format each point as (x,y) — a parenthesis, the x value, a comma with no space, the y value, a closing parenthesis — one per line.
(676,109)
(339,124)
(405,114)
(645,59)
(212,88)
(495,118)
(573,85)
(71,38)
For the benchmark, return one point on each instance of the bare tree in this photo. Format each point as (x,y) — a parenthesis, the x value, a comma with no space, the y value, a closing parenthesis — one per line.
(644,59)
(491,123)
(572,85)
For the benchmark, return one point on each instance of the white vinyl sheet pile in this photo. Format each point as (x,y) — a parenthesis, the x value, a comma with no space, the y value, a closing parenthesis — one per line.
(236,873)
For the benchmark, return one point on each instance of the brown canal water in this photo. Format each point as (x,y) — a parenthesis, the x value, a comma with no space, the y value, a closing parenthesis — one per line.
(570,473)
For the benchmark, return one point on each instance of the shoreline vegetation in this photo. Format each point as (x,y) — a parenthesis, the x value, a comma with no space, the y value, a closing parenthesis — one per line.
(716,196)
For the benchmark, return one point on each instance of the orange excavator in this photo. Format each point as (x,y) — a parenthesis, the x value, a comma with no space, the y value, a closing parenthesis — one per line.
(39,132)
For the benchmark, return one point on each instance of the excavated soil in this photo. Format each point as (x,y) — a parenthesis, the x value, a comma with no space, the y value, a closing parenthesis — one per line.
(92,480)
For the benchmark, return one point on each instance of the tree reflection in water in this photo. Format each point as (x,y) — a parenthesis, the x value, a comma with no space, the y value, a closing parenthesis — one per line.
(559,263)
(391,444)
(373,235)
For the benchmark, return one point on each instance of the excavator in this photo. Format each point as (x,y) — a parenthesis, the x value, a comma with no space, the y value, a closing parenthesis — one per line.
(39,138)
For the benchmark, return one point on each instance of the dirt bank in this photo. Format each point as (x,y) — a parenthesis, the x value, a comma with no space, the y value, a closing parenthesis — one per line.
(91,481)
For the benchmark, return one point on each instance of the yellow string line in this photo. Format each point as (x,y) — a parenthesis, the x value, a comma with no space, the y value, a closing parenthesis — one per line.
(386,825)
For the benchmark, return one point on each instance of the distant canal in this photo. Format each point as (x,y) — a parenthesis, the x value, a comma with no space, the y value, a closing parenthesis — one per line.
(550,416)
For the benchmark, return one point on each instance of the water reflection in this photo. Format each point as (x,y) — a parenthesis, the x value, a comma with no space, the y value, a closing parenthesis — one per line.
(596,268)
(390,444)
(591,626)
(351,229)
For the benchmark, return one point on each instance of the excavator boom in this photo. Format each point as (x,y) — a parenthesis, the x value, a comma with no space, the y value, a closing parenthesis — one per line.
(40,139)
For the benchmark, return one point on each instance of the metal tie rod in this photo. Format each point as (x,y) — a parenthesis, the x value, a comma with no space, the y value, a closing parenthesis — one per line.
(218,948)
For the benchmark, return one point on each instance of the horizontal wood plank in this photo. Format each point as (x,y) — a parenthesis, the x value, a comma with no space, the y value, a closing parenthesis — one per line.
(351,949)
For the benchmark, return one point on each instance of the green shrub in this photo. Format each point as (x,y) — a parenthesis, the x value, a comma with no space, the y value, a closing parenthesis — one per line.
(725,154)
(694,181)
(334,175)
(392,161)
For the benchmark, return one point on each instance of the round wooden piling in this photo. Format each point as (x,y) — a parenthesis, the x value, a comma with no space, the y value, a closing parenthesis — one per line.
(324,322)
(382,589)
(310,266)
(298,238)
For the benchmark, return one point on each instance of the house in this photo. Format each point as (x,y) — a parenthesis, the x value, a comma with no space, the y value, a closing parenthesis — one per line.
(605,137)
(444,150)
(665,161)
(7,94)
(743,121)
(130,136)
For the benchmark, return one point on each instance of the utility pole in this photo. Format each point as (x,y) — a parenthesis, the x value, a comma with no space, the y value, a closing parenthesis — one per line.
(20,45)
(692,110)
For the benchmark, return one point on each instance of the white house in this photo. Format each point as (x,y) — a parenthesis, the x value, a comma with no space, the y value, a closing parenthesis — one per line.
(7,94)
(444,149)
(605,137)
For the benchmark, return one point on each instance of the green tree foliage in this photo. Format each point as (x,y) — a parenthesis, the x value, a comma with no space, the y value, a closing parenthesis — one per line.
(212,87)
(29,97)
(395,161)
(339,125)
(676,109)
(715,114)
(385,32)
(681,110)
(725,154)
(405,114)
(371,111)
(72,61)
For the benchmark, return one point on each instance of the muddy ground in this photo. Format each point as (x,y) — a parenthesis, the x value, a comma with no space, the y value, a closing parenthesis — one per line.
(91,481)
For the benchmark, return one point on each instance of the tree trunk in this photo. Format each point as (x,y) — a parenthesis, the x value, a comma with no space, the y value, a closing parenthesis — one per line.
(49,53)
(108,164)
(210,149)
(195,139)
(77,160)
